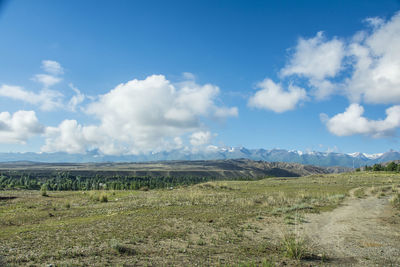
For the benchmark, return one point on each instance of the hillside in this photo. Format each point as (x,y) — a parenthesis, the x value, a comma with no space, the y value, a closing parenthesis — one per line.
(230,169)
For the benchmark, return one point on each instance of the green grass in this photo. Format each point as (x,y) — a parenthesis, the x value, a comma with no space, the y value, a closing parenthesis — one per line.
(226,223)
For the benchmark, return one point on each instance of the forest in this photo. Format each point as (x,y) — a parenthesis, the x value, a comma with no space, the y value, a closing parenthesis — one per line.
(65,181)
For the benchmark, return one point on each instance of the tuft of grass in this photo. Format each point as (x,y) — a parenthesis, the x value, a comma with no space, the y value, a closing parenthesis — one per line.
(201,242)
(121,248)
(293,247)
(359,193)
(103,197)
(395,201)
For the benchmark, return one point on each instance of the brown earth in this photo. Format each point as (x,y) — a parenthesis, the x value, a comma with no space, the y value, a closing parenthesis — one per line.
(361,232)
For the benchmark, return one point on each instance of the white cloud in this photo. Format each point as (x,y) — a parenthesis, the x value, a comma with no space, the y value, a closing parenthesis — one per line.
(369,62)
(76,99)
(375,21)
(52,67)
(46,79)
(46,99)
(352,122)
(68,137)
(224,112)
(316,58)
(376,66)
(200,138)
(18,127)
(273,97)
(140,116)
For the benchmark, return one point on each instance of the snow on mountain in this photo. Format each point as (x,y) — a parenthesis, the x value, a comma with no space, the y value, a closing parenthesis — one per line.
(372,156)
(211,152)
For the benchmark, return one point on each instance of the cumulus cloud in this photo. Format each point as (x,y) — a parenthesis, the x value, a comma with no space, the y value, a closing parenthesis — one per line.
(316,58)
(352,122)
(18,127)
(376,64)
(45,99)
(69,137)
(273,97)
(370,62)
(140,116)
(364,68)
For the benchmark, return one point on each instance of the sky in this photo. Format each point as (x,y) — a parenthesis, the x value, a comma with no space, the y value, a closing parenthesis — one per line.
(133,77)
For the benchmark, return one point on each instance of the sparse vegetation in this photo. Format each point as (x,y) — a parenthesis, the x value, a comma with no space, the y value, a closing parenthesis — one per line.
(214,223)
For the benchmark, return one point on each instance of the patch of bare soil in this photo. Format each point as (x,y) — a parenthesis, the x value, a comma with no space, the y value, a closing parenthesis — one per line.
(361,232)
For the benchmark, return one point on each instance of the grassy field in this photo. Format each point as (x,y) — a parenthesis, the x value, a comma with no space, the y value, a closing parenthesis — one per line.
(232,223)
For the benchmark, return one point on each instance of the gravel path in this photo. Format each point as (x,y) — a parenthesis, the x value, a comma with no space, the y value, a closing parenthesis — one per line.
(361,232)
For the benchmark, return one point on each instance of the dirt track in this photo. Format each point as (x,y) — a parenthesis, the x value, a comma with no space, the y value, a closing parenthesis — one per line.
(361,232)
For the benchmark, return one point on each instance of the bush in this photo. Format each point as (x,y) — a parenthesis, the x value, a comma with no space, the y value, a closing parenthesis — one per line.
(43,191)
(377,167)
(391,167)
(103,197)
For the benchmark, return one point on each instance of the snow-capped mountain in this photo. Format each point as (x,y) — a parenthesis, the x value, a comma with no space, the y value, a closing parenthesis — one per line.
(212,153)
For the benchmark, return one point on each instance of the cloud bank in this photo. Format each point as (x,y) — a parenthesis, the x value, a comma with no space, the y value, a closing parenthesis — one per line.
(142,116)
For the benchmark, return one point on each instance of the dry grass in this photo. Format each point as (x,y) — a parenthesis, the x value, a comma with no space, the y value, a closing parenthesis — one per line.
(215,223)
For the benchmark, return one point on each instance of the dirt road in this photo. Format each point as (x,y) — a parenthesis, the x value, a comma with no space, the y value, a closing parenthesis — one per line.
(361,232)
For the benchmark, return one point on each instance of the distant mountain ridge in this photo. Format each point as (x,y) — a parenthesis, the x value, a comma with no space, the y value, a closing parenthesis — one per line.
(323,159)
(226,169)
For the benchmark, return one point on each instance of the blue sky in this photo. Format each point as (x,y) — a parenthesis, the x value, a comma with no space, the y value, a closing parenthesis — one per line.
(129,77)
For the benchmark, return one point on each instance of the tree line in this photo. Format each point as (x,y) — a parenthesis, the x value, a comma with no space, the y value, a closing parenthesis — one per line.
(65,181)
(391,167)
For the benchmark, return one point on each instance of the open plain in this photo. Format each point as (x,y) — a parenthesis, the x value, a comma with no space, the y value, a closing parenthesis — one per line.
(323,219)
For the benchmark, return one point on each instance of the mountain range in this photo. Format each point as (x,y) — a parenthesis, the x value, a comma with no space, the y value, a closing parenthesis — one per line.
(324,159)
